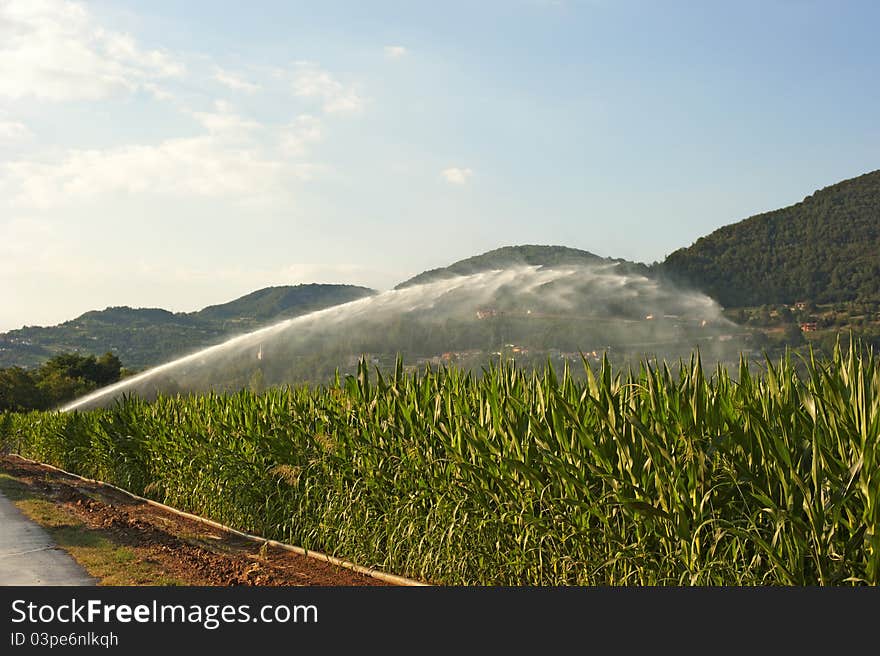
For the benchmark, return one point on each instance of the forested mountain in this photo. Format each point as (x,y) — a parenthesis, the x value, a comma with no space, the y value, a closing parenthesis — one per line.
(825,249)
(530,255)
(144,337)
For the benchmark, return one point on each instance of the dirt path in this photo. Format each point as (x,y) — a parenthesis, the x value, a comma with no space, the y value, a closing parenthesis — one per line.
(163,545)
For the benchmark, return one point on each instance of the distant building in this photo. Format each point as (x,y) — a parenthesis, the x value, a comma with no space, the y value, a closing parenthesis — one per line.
(808,327)
(486,313)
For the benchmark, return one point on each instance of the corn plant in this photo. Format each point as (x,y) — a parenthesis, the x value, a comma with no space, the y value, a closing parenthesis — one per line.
(762,474)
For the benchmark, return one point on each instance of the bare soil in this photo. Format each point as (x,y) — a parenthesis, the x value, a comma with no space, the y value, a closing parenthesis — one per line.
(182,549)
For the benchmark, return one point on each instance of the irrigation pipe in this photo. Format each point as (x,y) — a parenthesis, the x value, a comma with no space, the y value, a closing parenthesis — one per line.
(317,555)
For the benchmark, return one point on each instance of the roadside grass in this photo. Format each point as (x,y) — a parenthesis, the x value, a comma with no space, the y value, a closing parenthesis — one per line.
(99,554)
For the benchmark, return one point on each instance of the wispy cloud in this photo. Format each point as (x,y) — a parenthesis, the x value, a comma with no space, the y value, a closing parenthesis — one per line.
(13,131)
(57,50)
(296,137)
(395,52)
(234,157)
(234,81)
(310,81)
(456,175)
(201,166)
(54,50)
(225,121)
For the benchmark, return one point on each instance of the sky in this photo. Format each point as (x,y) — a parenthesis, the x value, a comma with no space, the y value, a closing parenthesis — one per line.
(181,154)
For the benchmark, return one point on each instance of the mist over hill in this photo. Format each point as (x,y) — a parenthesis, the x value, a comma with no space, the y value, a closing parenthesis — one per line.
(534,314)
(527,255)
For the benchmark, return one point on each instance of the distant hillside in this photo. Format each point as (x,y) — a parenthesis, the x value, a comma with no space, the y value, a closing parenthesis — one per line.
(507,256)
(144,337)
(282,302)
(825,249)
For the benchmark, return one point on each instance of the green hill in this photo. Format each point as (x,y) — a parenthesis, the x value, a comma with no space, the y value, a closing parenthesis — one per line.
(282,302)
(825,249)
(508,256)
(145,337)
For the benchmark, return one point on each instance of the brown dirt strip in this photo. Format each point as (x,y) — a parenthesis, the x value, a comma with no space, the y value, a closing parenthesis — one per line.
(183,549)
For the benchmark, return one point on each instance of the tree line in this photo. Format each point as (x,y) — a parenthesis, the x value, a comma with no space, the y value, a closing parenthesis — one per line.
(62,378)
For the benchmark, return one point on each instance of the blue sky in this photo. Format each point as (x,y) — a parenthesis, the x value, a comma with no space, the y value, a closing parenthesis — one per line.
(181,154)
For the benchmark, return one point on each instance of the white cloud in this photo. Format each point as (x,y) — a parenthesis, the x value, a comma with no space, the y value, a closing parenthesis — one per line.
(57,50)
(202,166)
(54,50)
(234,81)
(157,92)
(235,158)
(457,175)
(310,81)
(224,121)
(13,131)
(299,133)
(395,52)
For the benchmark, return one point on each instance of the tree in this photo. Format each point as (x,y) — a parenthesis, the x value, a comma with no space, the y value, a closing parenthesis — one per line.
(61,378)
(19,391)
(69,365)
(58,388)
(792,335)
(108,369)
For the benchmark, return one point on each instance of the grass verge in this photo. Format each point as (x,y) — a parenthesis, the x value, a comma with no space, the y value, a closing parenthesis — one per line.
(96,551)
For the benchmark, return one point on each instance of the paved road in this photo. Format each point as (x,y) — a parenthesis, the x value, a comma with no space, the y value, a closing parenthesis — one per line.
(29,557)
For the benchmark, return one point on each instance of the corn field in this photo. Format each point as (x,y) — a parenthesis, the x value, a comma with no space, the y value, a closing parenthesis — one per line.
(766,475)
